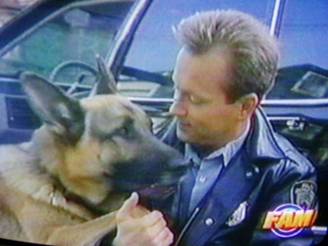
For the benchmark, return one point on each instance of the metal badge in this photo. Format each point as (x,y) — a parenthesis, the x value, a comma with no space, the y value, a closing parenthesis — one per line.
(238,215)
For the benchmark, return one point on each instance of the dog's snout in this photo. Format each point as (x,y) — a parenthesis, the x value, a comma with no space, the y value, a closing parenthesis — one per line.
(177,161)
(178,167)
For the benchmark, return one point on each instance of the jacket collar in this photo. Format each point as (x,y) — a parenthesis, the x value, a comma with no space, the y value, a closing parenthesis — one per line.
(261,143)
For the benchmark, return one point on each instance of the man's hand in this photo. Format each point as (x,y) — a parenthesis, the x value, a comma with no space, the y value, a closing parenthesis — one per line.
(138,226)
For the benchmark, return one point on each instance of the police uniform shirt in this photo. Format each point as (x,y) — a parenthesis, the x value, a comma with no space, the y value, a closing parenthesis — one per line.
(208,169)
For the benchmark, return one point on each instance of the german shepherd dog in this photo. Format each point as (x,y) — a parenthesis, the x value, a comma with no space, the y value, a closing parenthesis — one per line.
(63,186)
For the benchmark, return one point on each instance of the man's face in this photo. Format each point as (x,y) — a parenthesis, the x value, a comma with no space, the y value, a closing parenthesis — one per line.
(204,114)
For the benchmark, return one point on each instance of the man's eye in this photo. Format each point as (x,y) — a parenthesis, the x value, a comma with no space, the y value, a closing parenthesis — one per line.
(195,100)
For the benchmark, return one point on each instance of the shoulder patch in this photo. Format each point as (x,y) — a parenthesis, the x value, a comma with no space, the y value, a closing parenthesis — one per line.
(303,193)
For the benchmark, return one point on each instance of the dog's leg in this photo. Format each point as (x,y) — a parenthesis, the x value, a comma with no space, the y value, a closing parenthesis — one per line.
(85,234)
(43,223)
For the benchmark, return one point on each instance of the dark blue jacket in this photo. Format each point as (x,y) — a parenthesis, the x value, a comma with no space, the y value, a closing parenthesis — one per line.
(267,172)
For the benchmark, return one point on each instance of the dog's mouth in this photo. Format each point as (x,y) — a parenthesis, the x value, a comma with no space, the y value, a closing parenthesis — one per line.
(153,182)
(149,178)
(149,189)
(156,193)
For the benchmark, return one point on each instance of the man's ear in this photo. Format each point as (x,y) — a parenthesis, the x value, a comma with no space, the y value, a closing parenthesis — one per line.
(248,104)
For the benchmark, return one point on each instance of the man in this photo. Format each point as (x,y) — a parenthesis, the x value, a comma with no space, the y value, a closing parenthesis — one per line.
(241,168)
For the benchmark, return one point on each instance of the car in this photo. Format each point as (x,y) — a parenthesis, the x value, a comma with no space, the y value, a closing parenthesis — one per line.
(60,40)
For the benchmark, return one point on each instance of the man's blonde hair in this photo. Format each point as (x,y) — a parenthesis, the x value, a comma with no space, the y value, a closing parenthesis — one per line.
(254,51)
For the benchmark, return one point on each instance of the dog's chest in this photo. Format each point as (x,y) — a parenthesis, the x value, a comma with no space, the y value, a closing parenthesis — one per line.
(20,173)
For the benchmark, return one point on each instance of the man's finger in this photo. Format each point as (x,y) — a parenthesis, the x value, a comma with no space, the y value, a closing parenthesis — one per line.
(165,237)
(156,228)
(139,211)
(152,218)
(127,207)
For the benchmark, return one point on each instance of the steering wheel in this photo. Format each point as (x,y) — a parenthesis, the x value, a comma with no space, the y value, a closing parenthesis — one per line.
(72,64)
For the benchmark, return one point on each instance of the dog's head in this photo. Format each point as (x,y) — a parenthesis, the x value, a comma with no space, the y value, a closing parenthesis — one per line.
(100,146)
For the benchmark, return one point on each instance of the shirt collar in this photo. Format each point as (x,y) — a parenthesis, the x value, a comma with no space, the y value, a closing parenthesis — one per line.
(228,151)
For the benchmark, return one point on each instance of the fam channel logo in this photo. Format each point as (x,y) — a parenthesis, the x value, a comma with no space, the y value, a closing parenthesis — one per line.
(288,220)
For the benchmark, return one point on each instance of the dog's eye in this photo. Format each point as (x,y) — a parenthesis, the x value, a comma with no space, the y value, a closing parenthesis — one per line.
(124,131)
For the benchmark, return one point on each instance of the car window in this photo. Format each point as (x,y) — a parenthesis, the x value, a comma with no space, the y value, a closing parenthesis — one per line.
(151,57)
(303,34)
(303,41)
(303,68)
(64,47)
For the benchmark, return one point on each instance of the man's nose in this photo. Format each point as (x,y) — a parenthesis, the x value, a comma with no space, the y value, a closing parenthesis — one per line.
(178,109)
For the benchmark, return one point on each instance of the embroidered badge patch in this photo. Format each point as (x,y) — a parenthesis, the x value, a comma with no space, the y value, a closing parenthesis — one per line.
(303,193)
(238,215)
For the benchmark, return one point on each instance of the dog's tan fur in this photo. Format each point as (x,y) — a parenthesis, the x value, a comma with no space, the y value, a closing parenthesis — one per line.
(38,178)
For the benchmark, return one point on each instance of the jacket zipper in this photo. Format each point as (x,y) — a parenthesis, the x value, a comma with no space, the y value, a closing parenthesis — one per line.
(185,228)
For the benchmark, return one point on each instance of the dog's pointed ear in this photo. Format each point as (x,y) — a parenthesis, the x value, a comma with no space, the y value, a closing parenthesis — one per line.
(62,114)
(106,83)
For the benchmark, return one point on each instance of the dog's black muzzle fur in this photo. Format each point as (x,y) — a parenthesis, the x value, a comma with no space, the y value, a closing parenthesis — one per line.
(154,175)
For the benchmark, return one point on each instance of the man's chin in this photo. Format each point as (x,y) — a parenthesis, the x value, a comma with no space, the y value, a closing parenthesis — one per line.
(183,136)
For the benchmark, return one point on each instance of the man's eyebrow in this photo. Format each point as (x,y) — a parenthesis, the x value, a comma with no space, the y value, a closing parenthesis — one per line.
(177,87)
